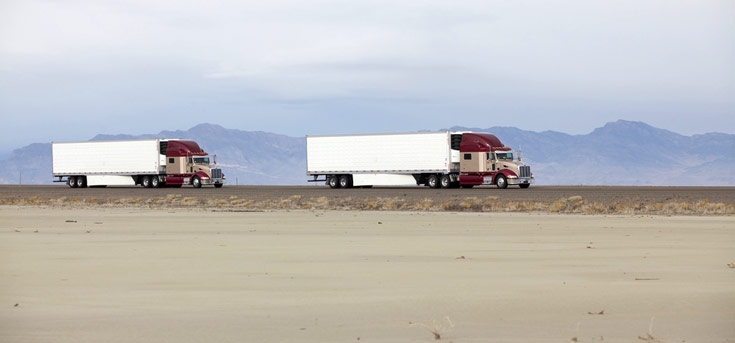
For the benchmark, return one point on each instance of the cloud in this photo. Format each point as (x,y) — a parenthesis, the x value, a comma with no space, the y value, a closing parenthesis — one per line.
(534,59)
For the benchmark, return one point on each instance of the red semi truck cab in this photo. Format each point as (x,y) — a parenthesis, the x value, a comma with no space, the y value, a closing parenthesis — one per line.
(484,160)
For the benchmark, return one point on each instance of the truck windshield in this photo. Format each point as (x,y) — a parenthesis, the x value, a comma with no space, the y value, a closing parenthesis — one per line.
(504,155)
(201,160)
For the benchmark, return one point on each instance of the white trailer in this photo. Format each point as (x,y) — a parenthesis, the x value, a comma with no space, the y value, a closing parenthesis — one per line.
(380,159)
(147,162)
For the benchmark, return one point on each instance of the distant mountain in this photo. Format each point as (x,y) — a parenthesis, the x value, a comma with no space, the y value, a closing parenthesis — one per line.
(619,153)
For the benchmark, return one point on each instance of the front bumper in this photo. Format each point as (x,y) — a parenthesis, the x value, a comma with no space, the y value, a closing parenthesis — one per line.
(520,181)
(209,181)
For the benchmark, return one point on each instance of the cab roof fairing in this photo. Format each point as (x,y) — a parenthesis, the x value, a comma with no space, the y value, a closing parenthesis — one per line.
(178,148)
(481,142)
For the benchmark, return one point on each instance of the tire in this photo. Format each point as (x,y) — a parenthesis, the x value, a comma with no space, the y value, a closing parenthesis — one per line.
(155,182)
(218,185)
(501,182)
(468,186)
(146,182)
(445,181)
(81,182)
(525,185)
(345,181)
(433,181)
(196,182)
(72,182)
(333,181)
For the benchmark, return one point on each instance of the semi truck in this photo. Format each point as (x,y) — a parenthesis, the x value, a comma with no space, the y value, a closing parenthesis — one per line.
(150,163)
(446,159)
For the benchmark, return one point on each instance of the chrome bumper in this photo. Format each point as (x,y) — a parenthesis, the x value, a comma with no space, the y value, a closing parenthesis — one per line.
(520,181)
(209,181)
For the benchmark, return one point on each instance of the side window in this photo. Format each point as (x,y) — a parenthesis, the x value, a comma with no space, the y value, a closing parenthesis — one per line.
(467,156)
(171,160)
(490,156)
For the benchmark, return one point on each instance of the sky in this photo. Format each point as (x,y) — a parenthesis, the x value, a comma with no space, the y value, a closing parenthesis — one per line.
(72,69)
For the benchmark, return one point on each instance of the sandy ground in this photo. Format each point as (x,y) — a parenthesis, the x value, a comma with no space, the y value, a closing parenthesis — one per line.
(117,275)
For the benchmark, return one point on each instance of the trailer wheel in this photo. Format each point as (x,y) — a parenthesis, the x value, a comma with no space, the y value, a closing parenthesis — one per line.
(433,181)
(524,185)
(72,182)
(333,181)
(345,181)
(501,181)
(146,181)
(445,181)
(196,182)
(155,182)
(81,182)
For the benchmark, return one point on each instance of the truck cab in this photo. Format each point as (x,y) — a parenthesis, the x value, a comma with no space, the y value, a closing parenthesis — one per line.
(484,160)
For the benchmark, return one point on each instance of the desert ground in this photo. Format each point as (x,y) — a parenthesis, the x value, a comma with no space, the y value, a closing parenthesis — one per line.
(178,274)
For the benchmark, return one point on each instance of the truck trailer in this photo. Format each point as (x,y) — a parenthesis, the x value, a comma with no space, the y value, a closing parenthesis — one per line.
(446,159)
(147,162)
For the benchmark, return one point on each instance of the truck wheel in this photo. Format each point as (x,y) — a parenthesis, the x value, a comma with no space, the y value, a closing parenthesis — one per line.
(445,181)
(333,181)
(218,185)
(468,186)
(525,185)
(72,182)
(501,181)
(146,181)
(196,182)
(345,181)
(81,182)
(155,182)
(433,181)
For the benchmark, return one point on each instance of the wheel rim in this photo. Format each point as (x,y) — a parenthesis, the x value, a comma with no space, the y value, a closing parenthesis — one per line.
(154,182)
(332,182)
(432,182)
(80,182)
(501,181)
(445,182)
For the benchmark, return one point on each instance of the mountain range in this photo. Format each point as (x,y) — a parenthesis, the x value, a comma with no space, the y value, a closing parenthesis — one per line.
(619,153)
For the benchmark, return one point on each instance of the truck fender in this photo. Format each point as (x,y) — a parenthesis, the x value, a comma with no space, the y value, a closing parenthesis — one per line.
(201,175)
(508,173)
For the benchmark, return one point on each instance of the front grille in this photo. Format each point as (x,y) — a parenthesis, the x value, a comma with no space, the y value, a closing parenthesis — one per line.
(216,173)
(525,171)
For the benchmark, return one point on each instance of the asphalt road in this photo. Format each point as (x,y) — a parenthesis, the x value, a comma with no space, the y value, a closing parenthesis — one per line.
(601,194)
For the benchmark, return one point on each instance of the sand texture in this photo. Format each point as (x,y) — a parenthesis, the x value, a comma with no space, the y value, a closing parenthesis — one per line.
(179,275)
